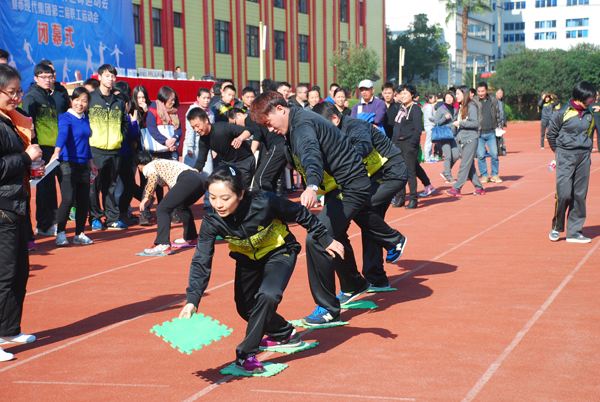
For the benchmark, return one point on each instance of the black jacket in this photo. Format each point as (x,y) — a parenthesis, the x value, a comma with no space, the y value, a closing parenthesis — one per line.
(219,140)
(321,153)
(256,230)
(14,166)
(410,127)
(570,132)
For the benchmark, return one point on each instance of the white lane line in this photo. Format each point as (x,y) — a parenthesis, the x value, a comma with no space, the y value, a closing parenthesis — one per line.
(100,331)
(493,368)
(93,384)
(328,394)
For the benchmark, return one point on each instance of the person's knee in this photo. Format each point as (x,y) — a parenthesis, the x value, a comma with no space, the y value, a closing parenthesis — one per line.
(269,298)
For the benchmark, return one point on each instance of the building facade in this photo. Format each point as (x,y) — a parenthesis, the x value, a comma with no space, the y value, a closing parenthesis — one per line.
(220,37)
(548,24)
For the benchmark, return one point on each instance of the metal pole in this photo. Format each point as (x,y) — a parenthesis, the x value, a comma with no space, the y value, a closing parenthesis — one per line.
(261,53)
(499,9)
(400,64)
(474,71)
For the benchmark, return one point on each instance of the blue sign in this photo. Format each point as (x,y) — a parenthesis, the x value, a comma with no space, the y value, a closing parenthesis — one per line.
(76,35)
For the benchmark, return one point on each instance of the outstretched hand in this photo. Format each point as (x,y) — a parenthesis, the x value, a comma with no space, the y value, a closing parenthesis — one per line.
(187,311)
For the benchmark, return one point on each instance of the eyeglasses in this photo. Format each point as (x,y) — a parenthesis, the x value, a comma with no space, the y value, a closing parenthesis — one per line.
(45,77)
(14,95)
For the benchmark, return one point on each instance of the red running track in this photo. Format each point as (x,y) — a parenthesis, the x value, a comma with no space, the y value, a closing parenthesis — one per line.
(487,309)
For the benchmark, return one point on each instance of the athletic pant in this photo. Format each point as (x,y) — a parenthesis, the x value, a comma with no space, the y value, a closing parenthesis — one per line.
(269,169)
(74,189)
(451,155)
(247,167)
(336,216)
(105,183)
(544,127)
(14,271)
(127,171)
(572,180)
(45,196)
(384,186)
(410,153)
(259,287)
(467,171)
(187,190)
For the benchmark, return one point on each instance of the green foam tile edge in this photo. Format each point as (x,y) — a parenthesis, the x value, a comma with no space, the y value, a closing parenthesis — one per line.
(271,369)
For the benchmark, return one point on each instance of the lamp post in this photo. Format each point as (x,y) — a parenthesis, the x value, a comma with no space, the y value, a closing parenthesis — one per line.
(400,64)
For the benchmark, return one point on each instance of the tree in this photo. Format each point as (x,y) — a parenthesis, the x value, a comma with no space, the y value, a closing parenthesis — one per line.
(464,8)
(354,64)
(424,47)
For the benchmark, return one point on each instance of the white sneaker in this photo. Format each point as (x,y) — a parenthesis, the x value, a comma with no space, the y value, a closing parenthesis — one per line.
(61,239)
(21,338)
(50,232)
(82,239)
(159,249)
(5,356)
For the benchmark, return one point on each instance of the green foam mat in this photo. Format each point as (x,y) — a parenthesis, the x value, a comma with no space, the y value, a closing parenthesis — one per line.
(301,323)
(291,350)
(271,369)
(375,289)
(360,305)
(190,334)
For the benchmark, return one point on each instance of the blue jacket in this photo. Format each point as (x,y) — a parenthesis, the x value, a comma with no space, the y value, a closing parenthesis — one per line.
(74,138)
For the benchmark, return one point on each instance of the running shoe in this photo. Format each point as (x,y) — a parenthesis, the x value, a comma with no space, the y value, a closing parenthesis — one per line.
(51,231)
(453,193)
(479,191)
(82,239)
(320,316)
(182,243)
(344,297)
(394,254)
(61,239)
(554,235)
(427,191)
(72,213)
(250,364)
(292,341)
(97,225)
(159,249)
(578,238)
(118,225)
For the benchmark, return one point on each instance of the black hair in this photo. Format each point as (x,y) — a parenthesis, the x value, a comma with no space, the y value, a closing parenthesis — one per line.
(472,91)
(268,85)
(453,95)
(107,67)
(247,90)
(197,113)
(338,90)
(409,88)
(42,68)
(333,84)
(143,158)
(77,92)
(7,74)
(301,85)
(229,87)
(482,84)
(315,88)
(124,98)
(387,85)
(583,90)
(216,88)
(4,54)
(92,82)
(164,93)
(284,84)
(201,91)
(228,174)
(122,87)
(327,110)
(230,114)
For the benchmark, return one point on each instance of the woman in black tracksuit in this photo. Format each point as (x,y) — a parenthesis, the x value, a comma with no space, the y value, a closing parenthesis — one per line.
(265,251)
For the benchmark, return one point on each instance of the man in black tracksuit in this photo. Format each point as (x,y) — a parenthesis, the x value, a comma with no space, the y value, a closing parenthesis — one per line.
(330,166)
(272,160)
(44,102)
(387,170)
(570,137)
(227,140)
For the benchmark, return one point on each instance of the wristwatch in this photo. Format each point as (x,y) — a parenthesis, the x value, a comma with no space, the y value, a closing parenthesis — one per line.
(313,187)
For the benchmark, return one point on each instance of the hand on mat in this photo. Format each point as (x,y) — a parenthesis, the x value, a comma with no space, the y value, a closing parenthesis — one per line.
(187,311)
(335,248)
(308,198)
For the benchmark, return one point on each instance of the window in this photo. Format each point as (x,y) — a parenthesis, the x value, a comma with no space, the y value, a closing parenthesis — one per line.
(302,48)
(477,30)
(545,3)
(545,35)
(578,22)
(303,6)
(222,36)
(514,37)
(344,12)
(252,40)
(176,19)
(514,26)
(279,3)
(279,37)
(578,2)
(514,5)
(580,33)
(545,24)
(156,29)
(136,24)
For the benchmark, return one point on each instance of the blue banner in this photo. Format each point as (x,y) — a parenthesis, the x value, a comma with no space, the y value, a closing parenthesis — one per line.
(76,35)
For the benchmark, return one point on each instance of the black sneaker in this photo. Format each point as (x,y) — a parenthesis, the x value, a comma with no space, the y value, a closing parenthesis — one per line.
(344,297)
(394,254)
